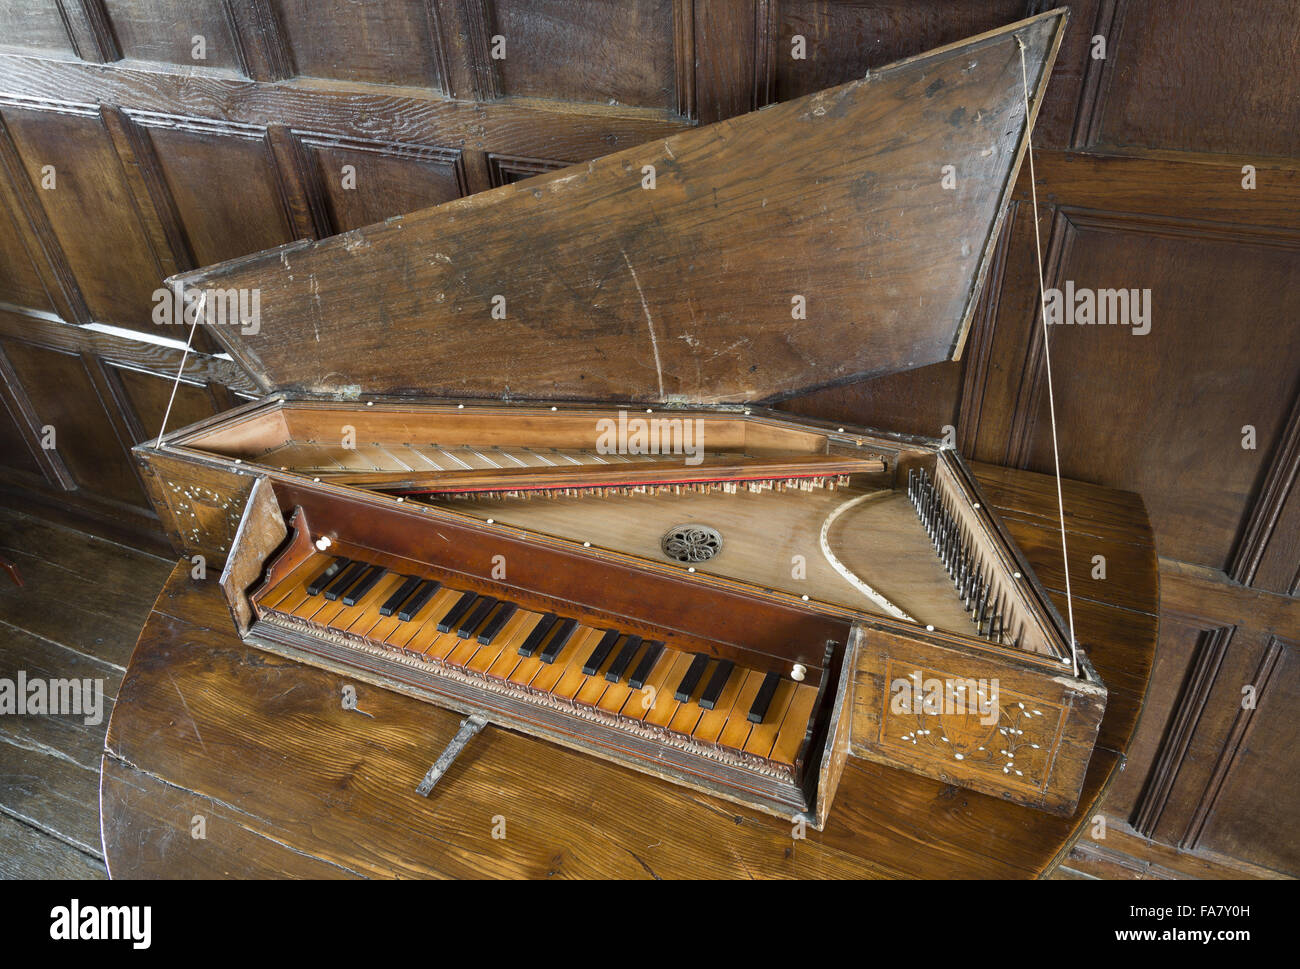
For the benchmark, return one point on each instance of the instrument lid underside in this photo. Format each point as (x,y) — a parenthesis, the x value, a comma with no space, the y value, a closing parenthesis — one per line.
(838,235)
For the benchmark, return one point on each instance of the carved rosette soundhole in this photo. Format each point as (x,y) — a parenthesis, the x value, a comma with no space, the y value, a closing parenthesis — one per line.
(691,543)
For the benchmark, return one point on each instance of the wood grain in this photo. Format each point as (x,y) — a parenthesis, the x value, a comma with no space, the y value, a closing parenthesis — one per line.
(592,266)
(330,793)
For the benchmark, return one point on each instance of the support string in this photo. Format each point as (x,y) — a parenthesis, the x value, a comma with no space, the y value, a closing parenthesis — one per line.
(189,340)
(1047,359)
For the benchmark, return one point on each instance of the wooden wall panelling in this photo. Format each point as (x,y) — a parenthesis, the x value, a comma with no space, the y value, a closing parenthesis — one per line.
(1268,555)
(156,210)
(726,35)
(1162,414)
(846,39)
(153,203)
(463,31)
(508,169)
(531,128)
(89,30)
(1076,74)
(30,428)
(297,183)
(1248,806)
(160,351)
(684,56)
(20,283)
(1140,792)
(36,25)
(36,233)
(1084,119)
(385,179)
(1200,75)
(226,186)
(93,223)
(379,43)
(143,398)
(15,448)
(1197,654)
(63,395)
(165,31)
(978,358)
(608,53)
(1010,345)
(1215,772)
(1188,590)
(260,43)
(1200,189)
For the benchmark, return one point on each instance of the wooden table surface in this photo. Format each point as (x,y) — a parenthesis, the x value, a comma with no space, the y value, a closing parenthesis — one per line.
(259,756)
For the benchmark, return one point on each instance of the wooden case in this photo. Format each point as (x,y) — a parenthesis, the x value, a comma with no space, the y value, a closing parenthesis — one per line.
(677,302)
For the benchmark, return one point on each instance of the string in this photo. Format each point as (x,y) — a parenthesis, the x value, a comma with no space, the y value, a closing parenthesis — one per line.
(1047,358)
(198,311)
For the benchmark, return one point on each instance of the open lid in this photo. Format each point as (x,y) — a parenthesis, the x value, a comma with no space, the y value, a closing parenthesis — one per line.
(804,244)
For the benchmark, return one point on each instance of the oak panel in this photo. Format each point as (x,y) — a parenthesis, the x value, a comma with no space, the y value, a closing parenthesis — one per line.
(165,30)
(846,39)
(225,186)
(588,50)
(387,180)
(1251,801)
(63,396)
(14,452)
(1162,414)
(34,24)
(1202,75)
(380,43)
(147,394)
(19,282)
(1175,650)
(90,210)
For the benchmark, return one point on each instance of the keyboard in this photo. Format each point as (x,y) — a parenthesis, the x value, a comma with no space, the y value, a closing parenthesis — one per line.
(758,719)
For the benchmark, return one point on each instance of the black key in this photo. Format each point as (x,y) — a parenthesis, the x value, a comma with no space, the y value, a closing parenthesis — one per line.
(537,635)
(623,659)
(563,633)
(418,601)
(718,679)
(358,591)
(598,655)
(476,616)
(448,622)
(350,575)
(646,666)
(691,679)
(331,570)
(397,598)
(495,624)
(764,699)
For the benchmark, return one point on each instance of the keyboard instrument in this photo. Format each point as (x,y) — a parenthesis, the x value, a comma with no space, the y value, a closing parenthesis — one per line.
(575,519)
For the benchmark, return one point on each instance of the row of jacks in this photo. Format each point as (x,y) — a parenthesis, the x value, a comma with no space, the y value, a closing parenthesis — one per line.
(960,558)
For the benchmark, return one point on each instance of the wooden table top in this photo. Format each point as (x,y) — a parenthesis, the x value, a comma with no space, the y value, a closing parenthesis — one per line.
(259,756)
